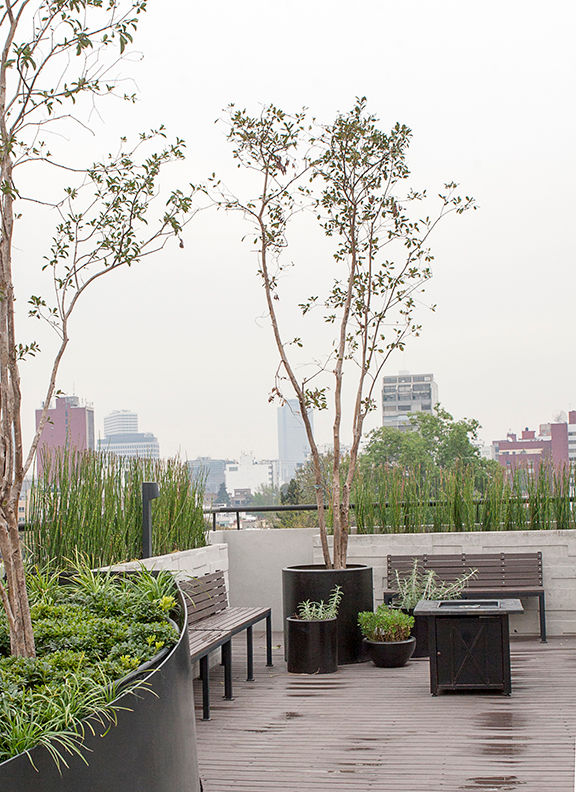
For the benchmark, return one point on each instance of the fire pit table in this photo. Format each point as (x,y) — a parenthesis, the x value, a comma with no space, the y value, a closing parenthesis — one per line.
(469,643)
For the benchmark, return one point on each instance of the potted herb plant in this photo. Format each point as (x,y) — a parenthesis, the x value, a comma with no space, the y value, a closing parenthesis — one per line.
(387,638)
(425,585)
(312,635)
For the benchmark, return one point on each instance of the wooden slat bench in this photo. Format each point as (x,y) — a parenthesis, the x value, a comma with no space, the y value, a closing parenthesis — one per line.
(514,575)
(212,625)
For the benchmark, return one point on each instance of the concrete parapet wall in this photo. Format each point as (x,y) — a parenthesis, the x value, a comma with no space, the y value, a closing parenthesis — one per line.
(558,566)
(195,562)
(256,561)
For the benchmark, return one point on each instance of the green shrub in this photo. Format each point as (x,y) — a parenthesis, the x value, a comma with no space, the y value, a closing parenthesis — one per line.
(90,632)
(385,624)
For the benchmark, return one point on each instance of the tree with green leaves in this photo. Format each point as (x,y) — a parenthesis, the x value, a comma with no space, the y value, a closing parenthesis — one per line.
(222,496)
(54,55)
(432,440)
(353,176)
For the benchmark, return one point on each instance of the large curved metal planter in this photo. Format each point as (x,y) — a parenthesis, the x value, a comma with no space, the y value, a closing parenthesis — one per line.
(315,582)
(151,749)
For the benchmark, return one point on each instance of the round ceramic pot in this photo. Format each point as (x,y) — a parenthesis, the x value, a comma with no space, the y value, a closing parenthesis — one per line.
(391,654)
(312,646)
(315,582)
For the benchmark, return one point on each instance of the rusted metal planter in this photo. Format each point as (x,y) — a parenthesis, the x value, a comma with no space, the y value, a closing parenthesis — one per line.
(315,582)
(151,749)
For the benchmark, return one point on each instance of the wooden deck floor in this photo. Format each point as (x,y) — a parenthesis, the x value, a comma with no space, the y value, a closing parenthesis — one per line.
(366,728)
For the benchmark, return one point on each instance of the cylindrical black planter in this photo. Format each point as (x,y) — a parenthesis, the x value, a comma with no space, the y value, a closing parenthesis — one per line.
(315,582)
(390,655)
(312,646)
(151,749)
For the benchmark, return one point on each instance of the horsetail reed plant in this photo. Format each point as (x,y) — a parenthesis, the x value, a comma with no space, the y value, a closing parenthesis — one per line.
(393,499)
(91,502)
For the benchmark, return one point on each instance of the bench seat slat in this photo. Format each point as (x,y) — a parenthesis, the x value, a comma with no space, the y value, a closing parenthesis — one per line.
(232,619)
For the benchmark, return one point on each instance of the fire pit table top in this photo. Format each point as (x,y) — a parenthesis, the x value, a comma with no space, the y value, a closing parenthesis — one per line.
(468,607)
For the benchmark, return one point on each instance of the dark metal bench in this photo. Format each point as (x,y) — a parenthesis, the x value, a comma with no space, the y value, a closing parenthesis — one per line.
(515,575)
(212,625)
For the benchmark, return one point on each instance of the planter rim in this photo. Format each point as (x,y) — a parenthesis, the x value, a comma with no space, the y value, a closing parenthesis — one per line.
(323,568)
(390,643)
(310,621)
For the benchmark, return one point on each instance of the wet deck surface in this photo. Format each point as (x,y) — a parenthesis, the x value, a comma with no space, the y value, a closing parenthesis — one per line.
(366,728)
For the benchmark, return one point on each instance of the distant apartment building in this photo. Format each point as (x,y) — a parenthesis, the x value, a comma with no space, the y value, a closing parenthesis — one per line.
(555,444)
(407,393)
(293,445)
(69,425)
(211,471)
(122,438)
(120,422)
(249,474)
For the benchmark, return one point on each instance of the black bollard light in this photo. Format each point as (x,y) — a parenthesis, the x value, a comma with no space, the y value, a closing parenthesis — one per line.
(150,491)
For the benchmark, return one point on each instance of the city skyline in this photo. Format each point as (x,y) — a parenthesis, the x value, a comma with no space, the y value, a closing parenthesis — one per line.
(500,340)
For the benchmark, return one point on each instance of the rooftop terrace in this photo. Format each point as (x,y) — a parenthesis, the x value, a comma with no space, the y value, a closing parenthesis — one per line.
(367,728)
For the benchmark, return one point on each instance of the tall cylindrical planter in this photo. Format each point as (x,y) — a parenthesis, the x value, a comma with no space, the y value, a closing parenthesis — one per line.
(315,582)
(312,646)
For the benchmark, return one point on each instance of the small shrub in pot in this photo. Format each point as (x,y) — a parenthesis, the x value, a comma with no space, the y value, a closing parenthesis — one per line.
(386,634)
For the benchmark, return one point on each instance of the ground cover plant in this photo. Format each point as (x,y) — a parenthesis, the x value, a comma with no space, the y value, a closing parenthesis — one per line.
(91,502)
(91,631)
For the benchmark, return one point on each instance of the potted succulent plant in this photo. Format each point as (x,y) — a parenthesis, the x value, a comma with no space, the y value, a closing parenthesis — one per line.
(387,638)
(312,636)
(425,585)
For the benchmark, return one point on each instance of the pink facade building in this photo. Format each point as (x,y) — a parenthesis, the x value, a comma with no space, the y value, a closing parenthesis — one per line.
(555,444)
(69,425)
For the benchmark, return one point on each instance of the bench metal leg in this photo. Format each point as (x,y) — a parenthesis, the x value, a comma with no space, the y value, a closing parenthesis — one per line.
(227,657)
(269,640)
(249,655)
(205,677)
(542,612)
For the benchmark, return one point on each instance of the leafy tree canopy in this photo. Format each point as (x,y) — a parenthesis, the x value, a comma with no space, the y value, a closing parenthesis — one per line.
(433,440)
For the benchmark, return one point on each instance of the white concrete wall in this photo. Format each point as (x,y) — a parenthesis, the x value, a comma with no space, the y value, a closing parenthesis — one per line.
(187,562)
(558,566)
(256,560)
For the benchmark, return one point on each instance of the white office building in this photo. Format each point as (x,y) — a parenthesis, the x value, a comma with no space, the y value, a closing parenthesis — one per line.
(121,437)
(407,393)
(250,474)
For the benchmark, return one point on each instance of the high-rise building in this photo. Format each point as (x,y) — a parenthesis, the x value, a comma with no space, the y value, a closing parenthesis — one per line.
(211,471)
(407,393)
(120,422)
(121,437)
(69,425)
(293,445)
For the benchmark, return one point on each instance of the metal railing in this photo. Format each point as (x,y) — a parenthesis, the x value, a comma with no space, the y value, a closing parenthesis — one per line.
(253,509)
(257,509)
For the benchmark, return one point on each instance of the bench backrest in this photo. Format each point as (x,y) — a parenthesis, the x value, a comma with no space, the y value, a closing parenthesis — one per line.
(494,570)
(205,595)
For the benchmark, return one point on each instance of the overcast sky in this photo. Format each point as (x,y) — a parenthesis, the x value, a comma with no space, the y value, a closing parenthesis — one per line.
(488,90)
